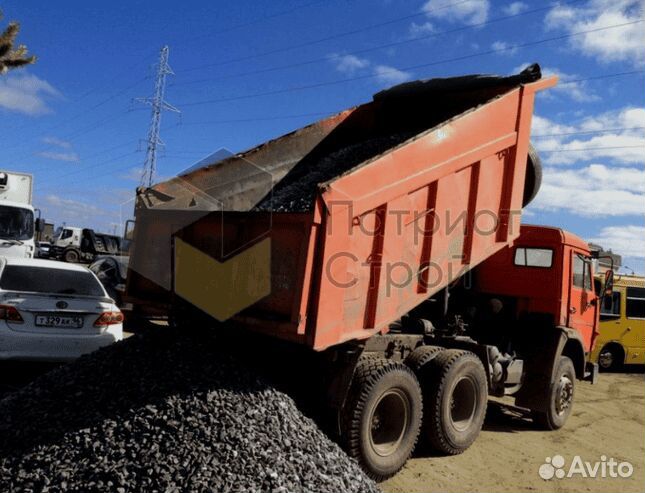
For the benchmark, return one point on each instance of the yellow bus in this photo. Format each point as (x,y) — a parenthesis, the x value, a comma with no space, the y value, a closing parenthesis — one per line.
(621,333)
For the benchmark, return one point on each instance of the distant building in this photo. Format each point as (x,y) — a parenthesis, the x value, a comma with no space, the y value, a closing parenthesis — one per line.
(602,264)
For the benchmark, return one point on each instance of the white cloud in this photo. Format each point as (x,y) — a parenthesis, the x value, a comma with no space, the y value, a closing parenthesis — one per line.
(349,64)
(55,141)
(624,145)
(608,202)
(504,48)
(26,94)
(624,240)
(73,212)
(421,29)
(71,157)
(470,12)
(515,8)
(626,43)
(609,177)
(391,75)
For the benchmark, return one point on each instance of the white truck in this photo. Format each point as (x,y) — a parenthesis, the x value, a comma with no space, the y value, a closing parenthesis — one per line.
(17,219)
(73,244)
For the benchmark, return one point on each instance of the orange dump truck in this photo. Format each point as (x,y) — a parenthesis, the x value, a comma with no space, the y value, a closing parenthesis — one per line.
(386,238)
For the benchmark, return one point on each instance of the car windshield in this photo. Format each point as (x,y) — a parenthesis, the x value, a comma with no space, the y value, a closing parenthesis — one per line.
(49,281)
(16,223)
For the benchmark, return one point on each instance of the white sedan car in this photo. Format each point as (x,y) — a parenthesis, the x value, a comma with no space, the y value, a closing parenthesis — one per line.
(53,311)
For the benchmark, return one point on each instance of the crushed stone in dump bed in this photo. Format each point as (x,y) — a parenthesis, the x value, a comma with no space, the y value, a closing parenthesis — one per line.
(297,190)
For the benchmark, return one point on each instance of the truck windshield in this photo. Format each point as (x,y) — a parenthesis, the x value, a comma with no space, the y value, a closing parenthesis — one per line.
(49,281)
(16,223)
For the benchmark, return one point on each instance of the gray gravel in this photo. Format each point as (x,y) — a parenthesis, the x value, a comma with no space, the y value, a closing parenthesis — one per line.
(160,412)
(297,190)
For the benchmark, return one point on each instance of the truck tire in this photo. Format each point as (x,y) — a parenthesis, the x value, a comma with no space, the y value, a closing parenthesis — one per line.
(455,395)
(72,256)
(421,356)
(381,419)
(533,178)
(560,397)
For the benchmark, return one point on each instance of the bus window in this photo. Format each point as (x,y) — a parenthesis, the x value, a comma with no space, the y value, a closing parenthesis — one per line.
(635,304)
(610,309)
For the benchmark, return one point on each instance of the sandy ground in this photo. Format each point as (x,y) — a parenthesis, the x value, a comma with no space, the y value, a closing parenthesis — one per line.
(608,419)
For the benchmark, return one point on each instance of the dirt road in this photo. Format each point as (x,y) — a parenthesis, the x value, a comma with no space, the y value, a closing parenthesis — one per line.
(608,419)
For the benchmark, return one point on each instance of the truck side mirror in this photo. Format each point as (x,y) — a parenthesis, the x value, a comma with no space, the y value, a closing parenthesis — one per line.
(609,282)
(40,225)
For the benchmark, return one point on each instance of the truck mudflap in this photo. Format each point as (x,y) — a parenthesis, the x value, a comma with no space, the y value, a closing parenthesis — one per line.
(541,365)
(591,372)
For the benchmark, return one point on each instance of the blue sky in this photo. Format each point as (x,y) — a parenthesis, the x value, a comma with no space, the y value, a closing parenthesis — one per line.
(72,122)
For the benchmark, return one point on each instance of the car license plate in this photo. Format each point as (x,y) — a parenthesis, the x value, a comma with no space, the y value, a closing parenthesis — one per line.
(60,321)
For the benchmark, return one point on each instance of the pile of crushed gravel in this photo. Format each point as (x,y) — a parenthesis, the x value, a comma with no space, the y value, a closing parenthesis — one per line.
(164,412)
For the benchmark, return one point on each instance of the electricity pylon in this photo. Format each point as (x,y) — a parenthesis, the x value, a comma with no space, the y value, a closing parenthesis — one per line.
(158,105)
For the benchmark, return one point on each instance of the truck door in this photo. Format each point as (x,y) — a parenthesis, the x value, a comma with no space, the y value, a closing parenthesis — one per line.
(582,299)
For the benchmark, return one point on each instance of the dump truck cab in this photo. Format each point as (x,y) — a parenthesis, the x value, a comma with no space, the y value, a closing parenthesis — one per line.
(547,277)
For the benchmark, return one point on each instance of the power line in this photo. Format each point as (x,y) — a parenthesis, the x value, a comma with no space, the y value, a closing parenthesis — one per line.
(94,154)
(261,118)
(86,130)
(328,113)
(585,132)
(255,21)
(327,38)
(593,148)
(370,49)
(86,168)
(411,67)
(82,97)
(605,76)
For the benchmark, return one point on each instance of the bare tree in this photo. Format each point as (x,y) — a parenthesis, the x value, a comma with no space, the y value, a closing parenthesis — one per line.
(10,57)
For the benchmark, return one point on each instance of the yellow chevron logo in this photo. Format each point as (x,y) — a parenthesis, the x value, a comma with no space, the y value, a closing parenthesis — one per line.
(222,289)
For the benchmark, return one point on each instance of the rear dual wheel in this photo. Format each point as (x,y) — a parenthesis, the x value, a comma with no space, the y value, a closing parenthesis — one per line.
(382,417)
(455,399)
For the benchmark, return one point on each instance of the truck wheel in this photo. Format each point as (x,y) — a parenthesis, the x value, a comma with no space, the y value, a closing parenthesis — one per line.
(382,416)
(71,256)
(455,395)
(611,357)
(421,356)
(533,177)
(560,397)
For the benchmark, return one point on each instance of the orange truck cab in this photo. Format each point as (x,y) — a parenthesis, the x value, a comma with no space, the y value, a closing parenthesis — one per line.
(542,285)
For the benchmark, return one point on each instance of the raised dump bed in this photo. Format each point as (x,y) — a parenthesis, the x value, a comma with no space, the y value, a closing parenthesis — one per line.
(368,212)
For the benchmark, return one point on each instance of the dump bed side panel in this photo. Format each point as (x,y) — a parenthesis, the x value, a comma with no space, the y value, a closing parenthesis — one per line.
(403,226)
(384,234)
